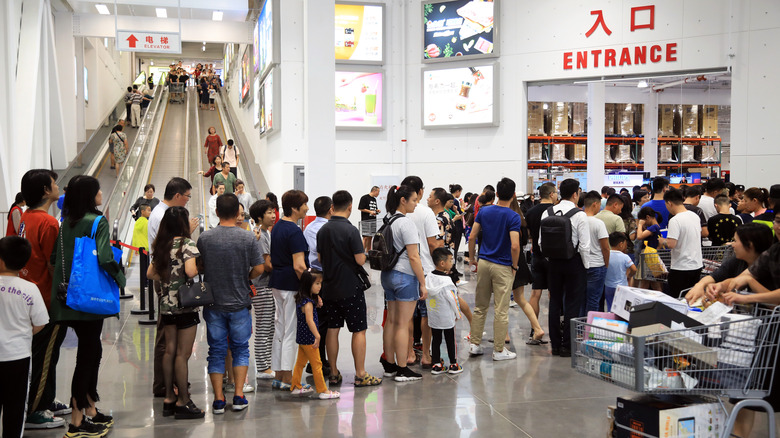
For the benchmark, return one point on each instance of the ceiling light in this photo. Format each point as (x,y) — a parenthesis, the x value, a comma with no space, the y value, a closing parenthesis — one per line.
(161,12)
(102,9)
(204,48)
(216,15)
(544,106)
(642,84)
(151,62)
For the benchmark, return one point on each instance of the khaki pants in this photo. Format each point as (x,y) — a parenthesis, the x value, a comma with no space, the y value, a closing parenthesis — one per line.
(496,280)
(135,110)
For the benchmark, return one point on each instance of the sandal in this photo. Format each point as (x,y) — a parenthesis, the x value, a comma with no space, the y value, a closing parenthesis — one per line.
(335,380)
(169,409)
(278,384)
(303,390)
(367,380)
(188,412)
(329,395)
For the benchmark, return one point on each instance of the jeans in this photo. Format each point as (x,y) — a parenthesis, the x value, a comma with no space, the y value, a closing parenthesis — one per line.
(227,329)
(399,286)
(595,292)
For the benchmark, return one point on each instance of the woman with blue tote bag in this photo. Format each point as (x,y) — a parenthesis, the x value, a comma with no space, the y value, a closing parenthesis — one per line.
(81,201)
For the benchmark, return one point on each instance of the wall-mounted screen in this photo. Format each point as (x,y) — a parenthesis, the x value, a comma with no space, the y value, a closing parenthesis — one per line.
(457,29)
(267,114)
(460,97)
(246,81)
(258,102)
(359,33)
(265,38)
(359,100)
(256,46)
(86,85)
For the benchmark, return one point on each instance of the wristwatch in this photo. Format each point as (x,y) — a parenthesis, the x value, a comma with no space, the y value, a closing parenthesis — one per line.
(515,268)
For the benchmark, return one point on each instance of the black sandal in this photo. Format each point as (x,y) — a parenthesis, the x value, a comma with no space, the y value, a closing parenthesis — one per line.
(189,412)
(335,380)
(169,409)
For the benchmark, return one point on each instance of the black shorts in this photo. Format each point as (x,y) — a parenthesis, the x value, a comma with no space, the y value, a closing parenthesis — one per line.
(368,228)
(539,269)
(182,321)
(352,310)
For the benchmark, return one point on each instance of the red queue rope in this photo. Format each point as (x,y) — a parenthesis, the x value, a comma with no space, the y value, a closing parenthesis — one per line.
(132,248)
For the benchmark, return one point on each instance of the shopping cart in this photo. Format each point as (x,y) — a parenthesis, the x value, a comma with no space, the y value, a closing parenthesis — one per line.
(654,264)
(735,359)
(176,93)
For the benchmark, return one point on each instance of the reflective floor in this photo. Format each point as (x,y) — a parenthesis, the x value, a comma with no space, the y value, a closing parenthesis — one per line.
(536,395)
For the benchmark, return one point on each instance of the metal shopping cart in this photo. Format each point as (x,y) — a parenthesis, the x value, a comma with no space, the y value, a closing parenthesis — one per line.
(654,264)
(736,358)
(176,93)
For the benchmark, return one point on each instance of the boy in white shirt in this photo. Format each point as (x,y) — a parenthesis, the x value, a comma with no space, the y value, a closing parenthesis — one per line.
(620,269)
(22,314)
(443,311)
(684,239)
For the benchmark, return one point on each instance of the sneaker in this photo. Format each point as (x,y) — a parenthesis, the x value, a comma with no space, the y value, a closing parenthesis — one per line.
(475,350)
(262,375)
(43,420)
(229,387)
(188,412)
(218,407)
(390,368)
(438,368)
(248,388)
(504,355)
(102,419)
(59,408)
(87,429)
(455,369)
(406,375)
(467,337)
(278,384)
(240,403)
(512,303)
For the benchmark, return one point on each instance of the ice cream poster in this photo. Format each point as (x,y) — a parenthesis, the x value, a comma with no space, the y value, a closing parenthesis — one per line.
(458,96)
(358,99)
(358,32)
(460,28)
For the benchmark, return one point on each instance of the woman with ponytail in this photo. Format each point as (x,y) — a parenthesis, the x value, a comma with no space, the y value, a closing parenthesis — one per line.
(404,284)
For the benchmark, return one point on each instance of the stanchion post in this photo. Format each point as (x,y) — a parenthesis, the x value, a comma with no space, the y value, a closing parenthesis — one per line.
(147,284)
(115,238)
(143,265)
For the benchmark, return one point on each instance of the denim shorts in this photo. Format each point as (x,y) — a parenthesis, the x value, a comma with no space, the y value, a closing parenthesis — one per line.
(400,287)
(227,330)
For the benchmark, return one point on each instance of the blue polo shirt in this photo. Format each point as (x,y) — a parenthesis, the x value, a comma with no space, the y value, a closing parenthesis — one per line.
(496,222)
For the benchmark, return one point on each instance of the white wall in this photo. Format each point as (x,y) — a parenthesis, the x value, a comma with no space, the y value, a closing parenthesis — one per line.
(533,37)
(107,80)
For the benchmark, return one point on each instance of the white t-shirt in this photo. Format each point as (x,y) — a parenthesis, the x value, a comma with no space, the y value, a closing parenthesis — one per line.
(427,226)
(213,218)
(21,307)
(707,205)
(598,231)
(154,222)
(580,235)
(685,227)
(230,155)
(404,233)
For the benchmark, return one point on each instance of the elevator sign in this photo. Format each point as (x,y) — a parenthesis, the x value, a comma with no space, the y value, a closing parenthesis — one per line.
(154,42)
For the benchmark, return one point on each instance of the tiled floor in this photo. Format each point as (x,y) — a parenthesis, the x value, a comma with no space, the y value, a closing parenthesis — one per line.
(537,395)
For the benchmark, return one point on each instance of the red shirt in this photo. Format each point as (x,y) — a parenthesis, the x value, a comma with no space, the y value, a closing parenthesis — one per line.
(10,230)
(213,143)
(40,229)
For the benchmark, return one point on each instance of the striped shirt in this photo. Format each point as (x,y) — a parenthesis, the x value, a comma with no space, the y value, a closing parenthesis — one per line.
(137,98)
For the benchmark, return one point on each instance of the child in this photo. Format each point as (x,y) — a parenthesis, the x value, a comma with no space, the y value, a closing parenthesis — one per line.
(212,96)
(443,311)
(22,314)
(308,337)
(141,228)
(620,268)
(723,225)
(648,231)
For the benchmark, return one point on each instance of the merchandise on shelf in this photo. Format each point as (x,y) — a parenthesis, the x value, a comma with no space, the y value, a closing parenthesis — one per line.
(580,152)
(608,154)
(579,118)
(624,154)
(665,154)
(536,118)
(639,119)
(709,154)
(641,153)
(559,152)
(709,125)
(665,120)
(609,119)
(535,152)
(687,154)
(625,119)
(690,120)
(560,118)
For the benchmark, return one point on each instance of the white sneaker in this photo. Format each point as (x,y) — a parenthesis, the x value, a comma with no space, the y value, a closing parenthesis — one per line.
(475,350)
(504,355)
(248,388)
(512,303)
(266,376)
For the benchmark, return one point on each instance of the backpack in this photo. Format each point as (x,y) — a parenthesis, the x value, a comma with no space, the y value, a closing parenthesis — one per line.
(382,256)
(556,234)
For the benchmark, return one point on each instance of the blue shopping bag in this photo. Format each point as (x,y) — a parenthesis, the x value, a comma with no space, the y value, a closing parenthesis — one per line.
(91,289)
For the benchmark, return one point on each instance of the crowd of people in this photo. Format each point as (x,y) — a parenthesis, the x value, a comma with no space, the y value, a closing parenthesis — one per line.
(302,286)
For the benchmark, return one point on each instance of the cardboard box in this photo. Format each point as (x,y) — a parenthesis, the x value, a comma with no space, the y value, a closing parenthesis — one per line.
(665,154)
(687,152)
(667,343)
(608,154)
(580,152)
(579,118)
(609,119)
(560,118)
(624,154)
(559,152)
(610,420)
(536,118)
(535,152)
(690,120)
(627,297)
(709,120)
(666,120)
(671,417)
(639,118)
(709,154)
(625,119)
(659,313)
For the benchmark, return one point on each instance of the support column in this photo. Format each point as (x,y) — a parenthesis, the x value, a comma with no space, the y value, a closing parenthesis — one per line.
(596,101)
(319,77)
(651,134)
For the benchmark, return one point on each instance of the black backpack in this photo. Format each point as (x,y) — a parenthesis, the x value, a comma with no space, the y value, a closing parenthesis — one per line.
(382,256)
(556,234)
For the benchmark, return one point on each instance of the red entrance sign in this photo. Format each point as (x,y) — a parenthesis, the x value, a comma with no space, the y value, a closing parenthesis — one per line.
(637,55)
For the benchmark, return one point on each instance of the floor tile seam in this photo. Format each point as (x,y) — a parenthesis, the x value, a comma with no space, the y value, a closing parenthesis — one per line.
(553,400)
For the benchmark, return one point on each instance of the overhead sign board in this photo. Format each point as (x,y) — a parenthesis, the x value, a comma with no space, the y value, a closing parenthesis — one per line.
(153,42)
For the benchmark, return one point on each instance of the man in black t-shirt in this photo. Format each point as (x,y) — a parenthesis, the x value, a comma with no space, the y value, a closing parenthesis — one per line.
(368,211)
(549,196)
(341,254)
(723,225)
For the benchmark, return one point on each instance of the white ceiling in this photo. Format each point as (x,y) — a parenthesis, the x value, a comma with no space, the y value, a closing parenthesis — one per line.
(233,10)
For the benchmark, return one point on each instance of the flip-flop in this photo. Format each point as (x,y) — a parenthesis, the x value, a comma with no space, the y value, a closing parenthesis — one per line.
(535,341)
(335,380)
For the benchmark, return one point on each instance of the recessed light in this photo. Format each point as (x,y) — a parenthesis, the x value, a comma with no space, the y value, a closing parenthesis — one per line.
(642,84)
(102,9)
(216,15)
(204,48)
(161,12)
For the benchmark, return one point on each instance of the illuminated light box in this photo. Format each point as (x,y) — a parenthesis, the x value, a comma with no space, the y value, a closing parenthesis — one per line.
(359,33)
(459,29)
(460,97)
(359,99)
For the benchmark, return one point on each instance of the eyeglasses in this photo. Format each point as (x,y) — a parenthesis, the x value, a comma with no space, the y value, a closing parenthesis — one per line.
(777,220)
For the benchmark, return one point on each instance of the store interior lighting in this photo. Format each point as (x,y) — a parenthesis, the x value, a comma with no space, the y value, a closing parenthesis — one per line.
(642,84)
(102,9)
(161,12)
(216,15)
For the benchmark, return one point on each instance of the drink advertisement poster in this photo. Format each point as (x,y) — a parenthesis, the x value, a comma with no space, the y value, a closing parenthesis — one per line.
(267,114)
(359,33)
(245,75)
(258,104)
(458,29)
(459,97)
(265,38)
(256,46)
(358,99)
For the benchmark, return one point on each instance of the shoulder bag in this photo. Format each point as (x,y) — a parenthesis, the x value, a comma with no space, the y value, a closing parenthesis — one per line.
(360,272)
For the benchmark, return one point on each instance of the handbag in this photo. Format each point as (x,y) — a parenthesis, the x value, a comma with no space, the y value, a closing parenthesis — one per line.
(90,288)
(193,294)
